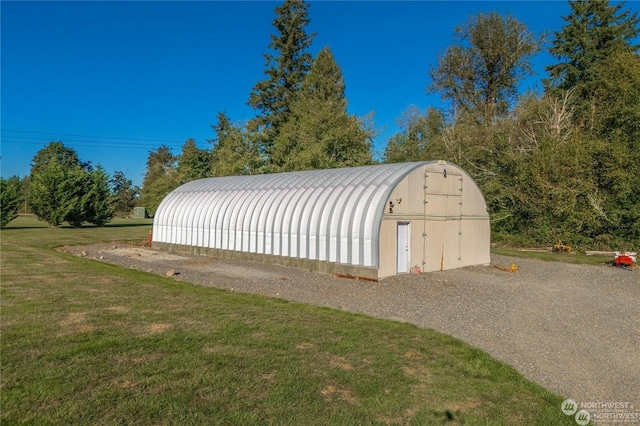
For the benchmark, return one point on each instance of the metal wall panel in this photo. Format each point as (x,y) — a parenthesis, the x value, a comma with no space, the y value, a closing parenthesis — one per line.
(331,215)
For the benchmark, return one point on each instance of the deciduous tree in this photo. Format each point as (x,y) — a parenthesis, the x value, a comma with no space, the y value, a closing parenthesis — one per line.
(418,131)
(160,178)
(615,147)
(481,71)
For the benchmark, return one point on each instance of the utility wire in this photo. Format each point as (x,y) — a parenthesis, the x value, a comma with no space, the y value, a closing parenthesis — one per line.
(106,145)
(92,136)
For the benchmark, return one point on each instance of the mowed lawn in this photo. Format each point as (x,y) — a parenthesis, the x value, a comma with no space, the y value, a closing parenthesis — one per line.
(90,343)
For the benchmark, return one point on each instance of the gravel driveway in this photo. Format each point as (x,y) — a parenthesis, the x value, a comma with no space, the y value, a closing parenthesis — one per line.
(574,329)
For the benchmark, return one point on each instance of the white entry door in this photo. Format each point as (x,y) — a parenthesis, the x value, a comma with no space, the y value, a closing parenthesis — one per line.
(403,256)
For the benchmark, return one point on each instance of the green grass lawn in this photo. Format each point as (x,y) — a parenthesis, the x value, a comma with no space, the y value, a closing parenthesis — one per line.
(90,343)
(577,258)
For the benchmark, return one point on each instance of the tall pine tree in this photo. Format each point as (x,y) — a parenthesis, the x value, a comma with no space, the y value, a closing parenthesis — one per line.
(594,32)
(272,98)
(320,133)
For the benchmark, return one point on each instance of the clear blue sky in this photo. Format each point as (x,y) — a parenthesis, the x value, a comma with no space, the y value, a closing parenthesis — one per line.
(114,80)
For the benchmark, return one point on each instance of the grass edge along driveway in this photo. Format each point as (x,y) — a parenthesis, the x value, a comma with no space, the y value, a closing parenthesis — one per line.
(90,343)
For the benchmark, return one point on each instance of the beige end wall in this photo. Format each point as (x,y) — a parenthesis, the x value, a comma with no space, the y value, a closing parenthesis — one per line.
(451,230)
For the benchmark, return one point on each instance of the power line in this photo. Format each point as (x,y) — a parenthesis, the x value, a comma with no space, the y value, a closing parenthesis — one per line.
(92,136)
(106,145)
(39,140)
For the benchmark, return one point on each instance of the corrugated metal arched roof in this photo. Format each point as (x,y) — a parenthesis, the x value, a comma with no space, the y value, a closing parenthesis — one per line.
(328,215)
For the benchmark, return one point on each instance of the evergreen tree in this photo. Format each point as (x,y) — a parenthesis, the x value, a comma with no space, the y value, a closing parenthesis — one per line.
(481,71)
(594,31)
(124,192)
(63,155)
(272,98)
(63,188)
(193,162)
(98,201)
(319,133)
(54,192)
(80,180)
(233,154)
(10,199)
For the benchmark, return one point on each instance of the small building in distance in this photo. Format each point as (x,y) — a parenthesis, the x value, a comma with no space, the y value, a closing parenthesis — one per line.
(139,212)
(370,222)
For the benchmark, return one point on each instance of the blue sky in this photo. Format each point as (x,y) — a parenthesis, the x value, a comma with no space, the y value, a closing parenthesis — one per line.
(114,80)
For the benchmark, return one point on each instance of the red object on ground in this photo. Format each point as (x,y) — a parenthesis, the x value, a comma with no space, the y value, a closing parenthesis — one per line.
(624,261)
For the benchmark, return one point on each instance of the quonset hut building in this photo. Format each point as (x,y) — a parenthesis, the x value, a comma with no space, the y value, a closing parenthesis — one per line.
(370,222)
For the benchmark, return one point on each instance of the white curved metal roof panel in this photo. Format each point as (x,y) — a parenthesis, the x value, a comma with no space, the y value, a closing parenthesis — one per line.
(327,215)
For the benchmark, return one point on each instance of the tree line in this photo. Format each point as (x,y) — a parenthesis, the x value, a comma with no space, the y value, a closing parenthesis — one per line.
(560,164)
(61,188)
(563,164)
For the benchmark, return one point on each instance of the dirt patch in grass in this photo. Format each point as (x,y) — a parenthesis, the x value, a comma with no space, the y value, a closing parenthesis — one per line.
(465,406)
(341,363)
(73,318)
(418,371)
(333,393)
(75,323)
(159,328)
(413,354)
(126,250)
